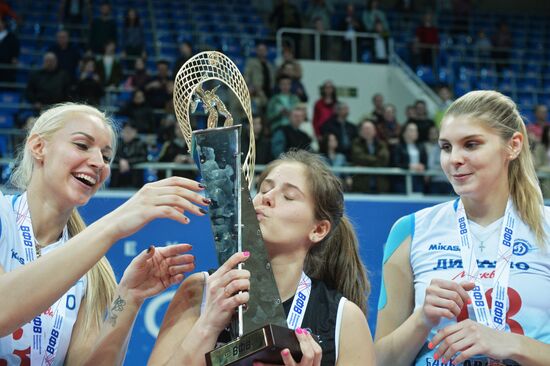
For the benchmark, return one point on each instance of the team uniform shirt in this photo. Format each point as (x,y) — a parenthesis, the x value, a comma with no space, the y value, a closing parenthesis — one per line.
(46,338)
(323,318)
(435,253)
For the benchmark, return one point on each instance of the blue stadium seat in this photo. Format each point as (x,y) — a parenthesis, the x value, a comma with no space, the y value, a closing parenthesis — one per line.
(425,73)
(6,119)
(526,101)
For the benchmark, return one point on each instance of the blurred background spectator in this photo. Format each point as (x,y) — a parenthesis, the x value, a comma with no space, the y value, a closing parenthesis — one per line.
(130,150)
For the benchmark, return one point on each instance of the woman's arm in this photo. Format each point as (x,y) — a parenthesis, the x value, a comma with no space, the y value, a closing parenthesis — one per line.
(400,332)
(147,275)
(187,333)
(471,338)
(42,282)
(356,347)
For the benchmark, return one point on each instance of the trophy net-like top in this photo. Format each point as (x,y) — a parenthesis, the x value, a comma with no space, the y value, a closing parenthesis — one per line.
(204,66)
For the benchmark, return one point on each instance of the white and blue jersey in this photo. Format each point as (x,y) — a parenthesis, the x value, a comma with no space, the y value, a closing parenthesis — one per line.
(16,348)
(435,253)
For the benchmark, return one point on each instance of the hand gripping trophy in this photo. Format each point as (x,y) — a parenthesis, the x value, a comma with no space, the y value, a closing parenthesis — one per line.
(258,332)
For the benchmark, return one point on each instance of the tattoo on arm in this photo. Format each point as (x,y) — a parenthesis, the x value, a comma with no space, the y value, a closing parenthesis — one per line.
(118,306)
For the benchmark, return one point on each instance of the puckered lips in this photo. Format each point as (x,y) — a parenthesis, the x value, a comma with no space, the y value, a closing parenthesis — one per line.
(260,214)
(87,179)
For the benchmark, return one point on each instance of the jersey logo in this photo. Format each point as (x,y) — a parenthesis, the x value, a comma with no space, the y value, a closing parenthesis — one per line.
(521,247)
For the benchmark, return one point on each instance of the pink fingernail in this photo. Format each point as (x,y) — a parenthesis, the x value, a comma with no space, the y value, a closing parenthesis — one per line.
(285,352)
(436,356)
(299,330)
(246,254)
(469,301)
(443,360)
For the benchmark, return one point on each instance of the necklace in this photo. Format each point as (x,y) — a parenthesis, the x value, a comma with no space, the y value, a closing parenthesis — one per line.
(482,241)
(38,249)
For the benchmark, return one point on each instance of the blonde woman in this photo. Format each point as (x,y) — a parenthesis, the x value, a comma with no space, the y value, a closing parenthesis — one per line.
(467,282)
(55,282)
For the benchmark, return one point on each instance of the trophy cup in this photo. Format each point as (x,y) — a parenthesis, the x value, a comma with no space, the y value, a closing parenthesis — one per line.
(259,332)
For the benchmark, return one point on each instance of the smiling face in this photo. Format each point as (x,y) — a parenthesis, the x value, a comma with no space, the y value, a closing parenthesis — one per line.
(74,162)
(285,209)
(474,158)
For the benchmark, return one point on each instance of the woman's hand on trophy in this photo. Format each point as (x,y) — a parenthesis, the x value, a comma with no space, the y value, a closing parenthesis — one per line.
(311,351)
(444,299)
(167,198)
(226,289)
(156,269)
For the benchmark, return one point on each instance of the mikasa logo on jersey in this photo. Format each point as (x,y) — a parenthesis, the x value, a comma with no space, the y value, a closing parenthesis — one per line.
(440,247)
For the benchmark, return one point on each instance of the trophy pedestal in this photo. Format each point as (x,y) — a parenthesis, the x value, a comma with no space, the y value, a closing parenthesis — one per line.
(264,344)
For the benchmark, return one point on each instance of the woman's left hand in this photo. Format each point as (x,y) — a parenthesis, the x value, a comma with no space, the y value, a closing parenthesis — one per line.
(311,351)
(469,338)
(156,269)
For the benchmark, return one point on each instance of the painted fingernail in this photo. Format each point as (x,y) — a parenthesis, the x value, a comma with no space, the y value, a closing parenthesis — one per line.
(298,330)
(285,352)
(207,200)
(436,356)
(202,210)
(430,345)
(442,359)
(469,301)
(201,185)
(150,248)
(246,254)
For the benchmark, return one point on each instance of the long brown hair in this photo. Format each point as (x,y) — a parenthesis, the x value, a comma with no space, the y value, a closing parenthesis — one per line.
(335,260)
(101,278)
(501,114)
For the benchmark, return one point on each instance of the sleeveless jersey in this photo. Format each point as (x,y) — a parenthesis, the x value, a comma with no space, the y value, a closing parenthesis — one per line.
(16,348)
(323,317)
(435,253)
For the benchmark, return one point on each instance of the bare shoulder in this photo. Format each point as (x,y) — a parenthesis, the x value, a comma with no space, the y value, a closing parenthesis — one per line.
(355,345)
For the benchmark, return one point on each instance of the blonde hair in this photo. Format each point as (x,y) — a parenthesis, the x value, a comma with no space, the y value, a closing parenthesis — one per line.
(101,279)
(501,114)
(335,260)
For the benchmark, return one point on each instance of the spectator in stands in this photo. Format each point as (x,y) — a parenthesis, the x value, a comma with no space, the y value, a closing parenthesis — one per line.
(259,72)
(320,10)
(350,23)
(159,89)
(426,42)
(436,184)
(411,155)
(261,139)
(541,155)
(258,100)
(9,52)
(329,153)
(377,114)
(185,53)
(175,150)
(48,85)
(287,15)
(343,129)
(109,67)
(71,13)
(423,122)
(7,11)
(288,56)
(68,56)
(290,136)
(482,46)
(380,45)
(535,129)
(446,97)
(370,151)
(388,129)
(131,150)
(324,106)
(502,43)
(103,30)
(89,88)
(372,14)
(133,37)
(410,113)
(139,78)
(280,105)
(297,88)
(140,113)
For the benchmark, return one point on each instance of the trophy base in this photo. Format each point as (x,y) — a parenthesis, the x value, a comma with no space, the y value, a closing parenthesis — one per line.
(264,344)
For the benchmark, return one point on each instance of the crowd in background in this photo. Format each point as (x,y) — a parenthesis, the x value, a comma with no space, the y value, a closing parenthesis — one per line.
(282,121)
